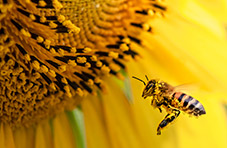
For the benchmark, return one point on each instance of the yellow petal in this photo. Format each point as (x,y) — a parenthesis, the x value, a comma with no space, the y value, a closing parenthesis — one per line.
(6,138)
(40,140)
(2,137)
(217,8)
(21,139)
(96,132)
(119,122)
(63,136)
(192,11)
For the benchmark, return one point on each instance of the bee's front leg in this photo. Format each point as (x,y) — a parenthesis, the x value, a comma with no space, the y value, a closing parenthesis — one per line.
(156,103)
(170,117)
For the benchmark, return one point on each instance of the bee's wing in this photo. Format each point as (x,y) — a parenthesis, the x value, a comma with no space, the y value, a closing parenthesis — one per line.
(186,87)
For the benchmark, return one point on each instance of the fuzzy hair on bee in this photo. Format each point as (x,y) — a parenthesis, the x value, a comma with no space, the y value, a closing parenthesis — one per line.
(165,96)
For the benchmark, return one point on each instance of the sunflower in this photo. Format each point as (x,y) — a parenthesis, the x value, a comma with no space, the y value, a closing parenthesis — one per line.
(65,81)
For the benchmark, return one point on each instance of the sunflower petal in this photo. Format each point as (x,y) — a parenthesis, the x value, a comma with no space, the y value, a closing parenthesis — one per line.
(40,137)
(77,123)
(95,123)
(2,137)
(125,85)
(6,138)
(63,135)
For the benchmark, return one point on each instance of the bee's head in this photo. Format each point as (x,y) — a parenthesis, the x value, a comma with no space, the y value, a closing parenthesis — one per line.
(150,87)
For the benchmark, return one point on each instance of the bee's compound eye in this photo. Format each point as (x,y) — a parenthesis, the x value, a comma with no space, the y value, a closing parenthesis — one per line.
(150,85)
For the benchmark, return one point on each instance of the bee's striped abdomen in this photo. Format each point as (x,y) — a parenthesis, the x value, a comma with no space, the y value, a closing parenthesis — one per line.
(187,104)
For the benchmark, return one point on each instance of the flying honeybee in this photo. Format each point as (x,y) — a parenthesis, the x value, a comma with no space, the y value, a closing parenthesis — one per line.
(165,96)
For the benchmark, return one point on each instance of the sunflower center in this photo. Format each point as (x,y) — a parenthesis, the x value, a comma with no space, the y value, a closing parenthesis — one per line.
(54,52)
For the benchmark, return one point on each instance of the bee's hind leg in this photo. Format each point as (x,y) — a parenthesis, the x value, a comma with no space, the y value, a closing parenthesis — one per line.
(170,117)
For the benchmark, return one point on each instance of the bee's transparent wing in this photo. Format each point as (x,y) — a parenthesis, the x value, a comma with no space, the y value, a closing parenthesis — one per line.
(189,87)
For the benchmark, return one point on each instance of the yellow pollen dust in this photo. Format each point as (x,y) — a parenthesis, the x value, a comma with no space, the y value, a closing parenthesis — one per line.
(52,24)
(87,64)
(57,5)
(39,39)
(90,82)
(127,57)
(32,17)
(73,50)
(72,63)
(113,54)
(26,33)
(93,58)
(61,51)
(47,43)
(150,12)
(98,64)
(62,68)
(35,76)
(27,57)
(105,69)
(61,18)
(126,40)
(52,73)
(71,26)
(36,65)
(52,50)
(81,60)
(136,58)
(79,92)
(87,50)
(63,80)
(42,3)
(124,47)
(67,89)
(97,80)
(52,85)
(44,69)
(114,67)
(146,27)
(43,19)
(22,76)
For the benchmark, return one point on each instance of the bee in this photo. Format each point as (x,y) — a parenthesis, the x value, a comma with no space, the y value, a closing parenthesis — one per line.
(165,96)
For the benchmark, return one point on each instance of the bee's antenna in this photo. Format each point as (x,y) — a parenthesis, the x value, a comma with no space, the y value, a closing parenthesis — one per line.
(139,80)
(146,77)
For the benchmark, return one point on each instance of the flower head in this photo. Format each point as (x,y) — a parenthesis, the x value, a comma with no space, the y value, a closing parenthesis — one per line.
(51,51)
